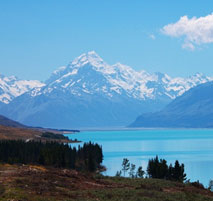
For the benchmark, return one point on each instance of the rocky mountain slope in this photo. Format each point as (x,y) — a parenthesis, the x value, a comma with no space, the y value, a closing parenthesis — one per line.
(194,109)
(90,74)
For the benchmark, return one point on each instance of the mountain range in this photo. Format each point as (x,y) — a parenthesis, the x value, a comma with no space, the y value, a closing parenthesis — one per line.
(88,92)
(11,87)
(194,109)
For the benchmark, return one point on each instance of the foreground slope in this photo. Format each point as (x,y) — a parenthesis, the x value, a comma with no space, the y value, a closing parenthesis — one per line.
(194,109)
(30,182)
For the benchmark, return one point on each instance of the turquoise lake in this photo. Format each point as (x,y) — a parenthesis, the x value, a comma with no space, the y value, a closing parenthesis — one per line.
(194,148)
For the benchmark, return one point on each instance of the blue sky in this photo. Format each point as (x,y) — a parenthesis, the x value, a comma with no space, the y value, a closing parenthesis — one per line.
(37,37)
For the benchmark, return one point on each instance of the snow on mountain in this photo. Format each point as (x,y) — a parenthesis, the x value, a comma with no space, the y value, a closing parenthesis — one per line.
(89,74)
(11,87)
(88,92)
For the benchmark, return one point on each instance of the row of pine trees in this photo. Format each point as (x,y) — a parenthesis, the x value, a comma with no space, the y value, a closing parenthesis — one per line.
(86,158)
(157,168)
(160,170)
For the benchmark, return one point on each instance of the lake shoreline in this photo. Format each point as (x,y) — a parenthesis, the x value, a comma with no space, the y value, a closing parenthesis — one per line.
(193,147)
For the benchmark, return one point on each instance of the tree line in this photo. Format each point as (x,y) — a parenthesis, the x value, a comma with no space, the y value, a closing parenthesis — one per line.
(160,170)
(86,158)
(157,168)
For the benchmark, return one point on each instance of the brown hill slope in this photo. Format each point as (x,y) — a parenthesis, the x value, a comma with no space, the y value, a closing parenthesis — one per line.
(35,183)
(27,134)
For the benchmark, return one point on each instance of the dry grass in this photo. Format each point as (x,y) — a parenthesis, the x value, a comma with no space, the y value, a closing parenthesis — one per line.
(26,134)
(10,133)
(38,183)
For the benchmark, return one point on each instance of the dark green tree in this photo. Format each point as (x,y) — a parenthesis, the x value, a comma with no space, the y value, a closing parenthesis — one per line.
(132,171)
(118,173)
(159,169)
(91,164)
(89,157)
(125,165)
(178,172)
(140,172)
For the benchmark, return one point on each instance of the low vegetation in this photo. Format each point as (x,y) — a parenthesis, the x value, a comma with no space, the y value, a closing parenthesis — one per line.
(50,135)
(40,183)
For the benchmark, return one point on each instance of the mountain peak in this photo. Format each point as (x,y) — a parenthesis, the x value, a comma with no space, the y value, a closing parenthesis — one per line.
(120,65)
(159,74)
(90,57)
(92,53)
(198,74)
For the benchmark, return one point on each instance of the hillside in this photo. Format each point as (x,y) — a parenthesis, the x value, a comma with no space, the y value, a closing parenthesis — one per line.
(194,109)
(29,134)
(12,130)
(35,183)
(89,92)
(12,133)
(8,122)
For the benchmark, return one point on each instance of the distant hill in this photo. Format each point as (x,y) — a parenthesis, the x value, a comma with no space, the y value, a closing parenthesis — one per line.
(88,92)
(2,104)
(194,109)
(8,122)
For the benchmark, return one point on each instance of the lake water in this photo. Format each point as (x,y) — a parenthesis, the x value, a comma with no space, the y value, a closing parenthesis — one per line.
(194,148)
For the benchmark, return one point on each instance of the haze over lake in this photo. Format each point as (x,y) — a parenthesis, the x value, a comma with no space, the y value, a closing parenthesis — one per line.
(193,147)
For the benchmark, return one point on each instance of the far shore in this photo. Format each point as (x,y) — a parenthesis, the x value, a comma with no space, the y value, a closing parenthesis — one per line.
(137,129)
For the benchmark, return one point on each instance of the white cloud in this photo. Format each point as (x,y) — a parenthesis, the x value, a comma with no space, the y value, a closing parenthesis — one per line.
(152,36)
(188,45)
(195,31)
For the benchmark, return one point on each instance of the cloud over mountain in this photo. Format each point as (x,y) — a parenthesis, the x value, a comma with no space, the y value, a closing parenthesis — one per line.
(195,31)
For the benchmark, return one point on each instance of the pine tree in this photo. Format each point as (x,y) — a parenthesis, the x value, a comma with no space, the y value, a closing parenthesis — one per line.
(118,173)
(51,154)
(132,171)
(140,172)
(125,165)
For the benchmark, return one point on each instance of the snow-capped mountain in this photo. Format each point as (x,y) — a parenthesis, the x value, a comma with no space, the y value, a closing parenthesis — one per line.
(11,87)
(88,92)
(90,74)
(194,109)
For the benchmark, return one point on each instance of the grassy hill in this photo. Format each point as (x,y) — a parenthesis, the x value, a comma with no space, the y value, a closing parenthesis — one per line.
(39,183)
